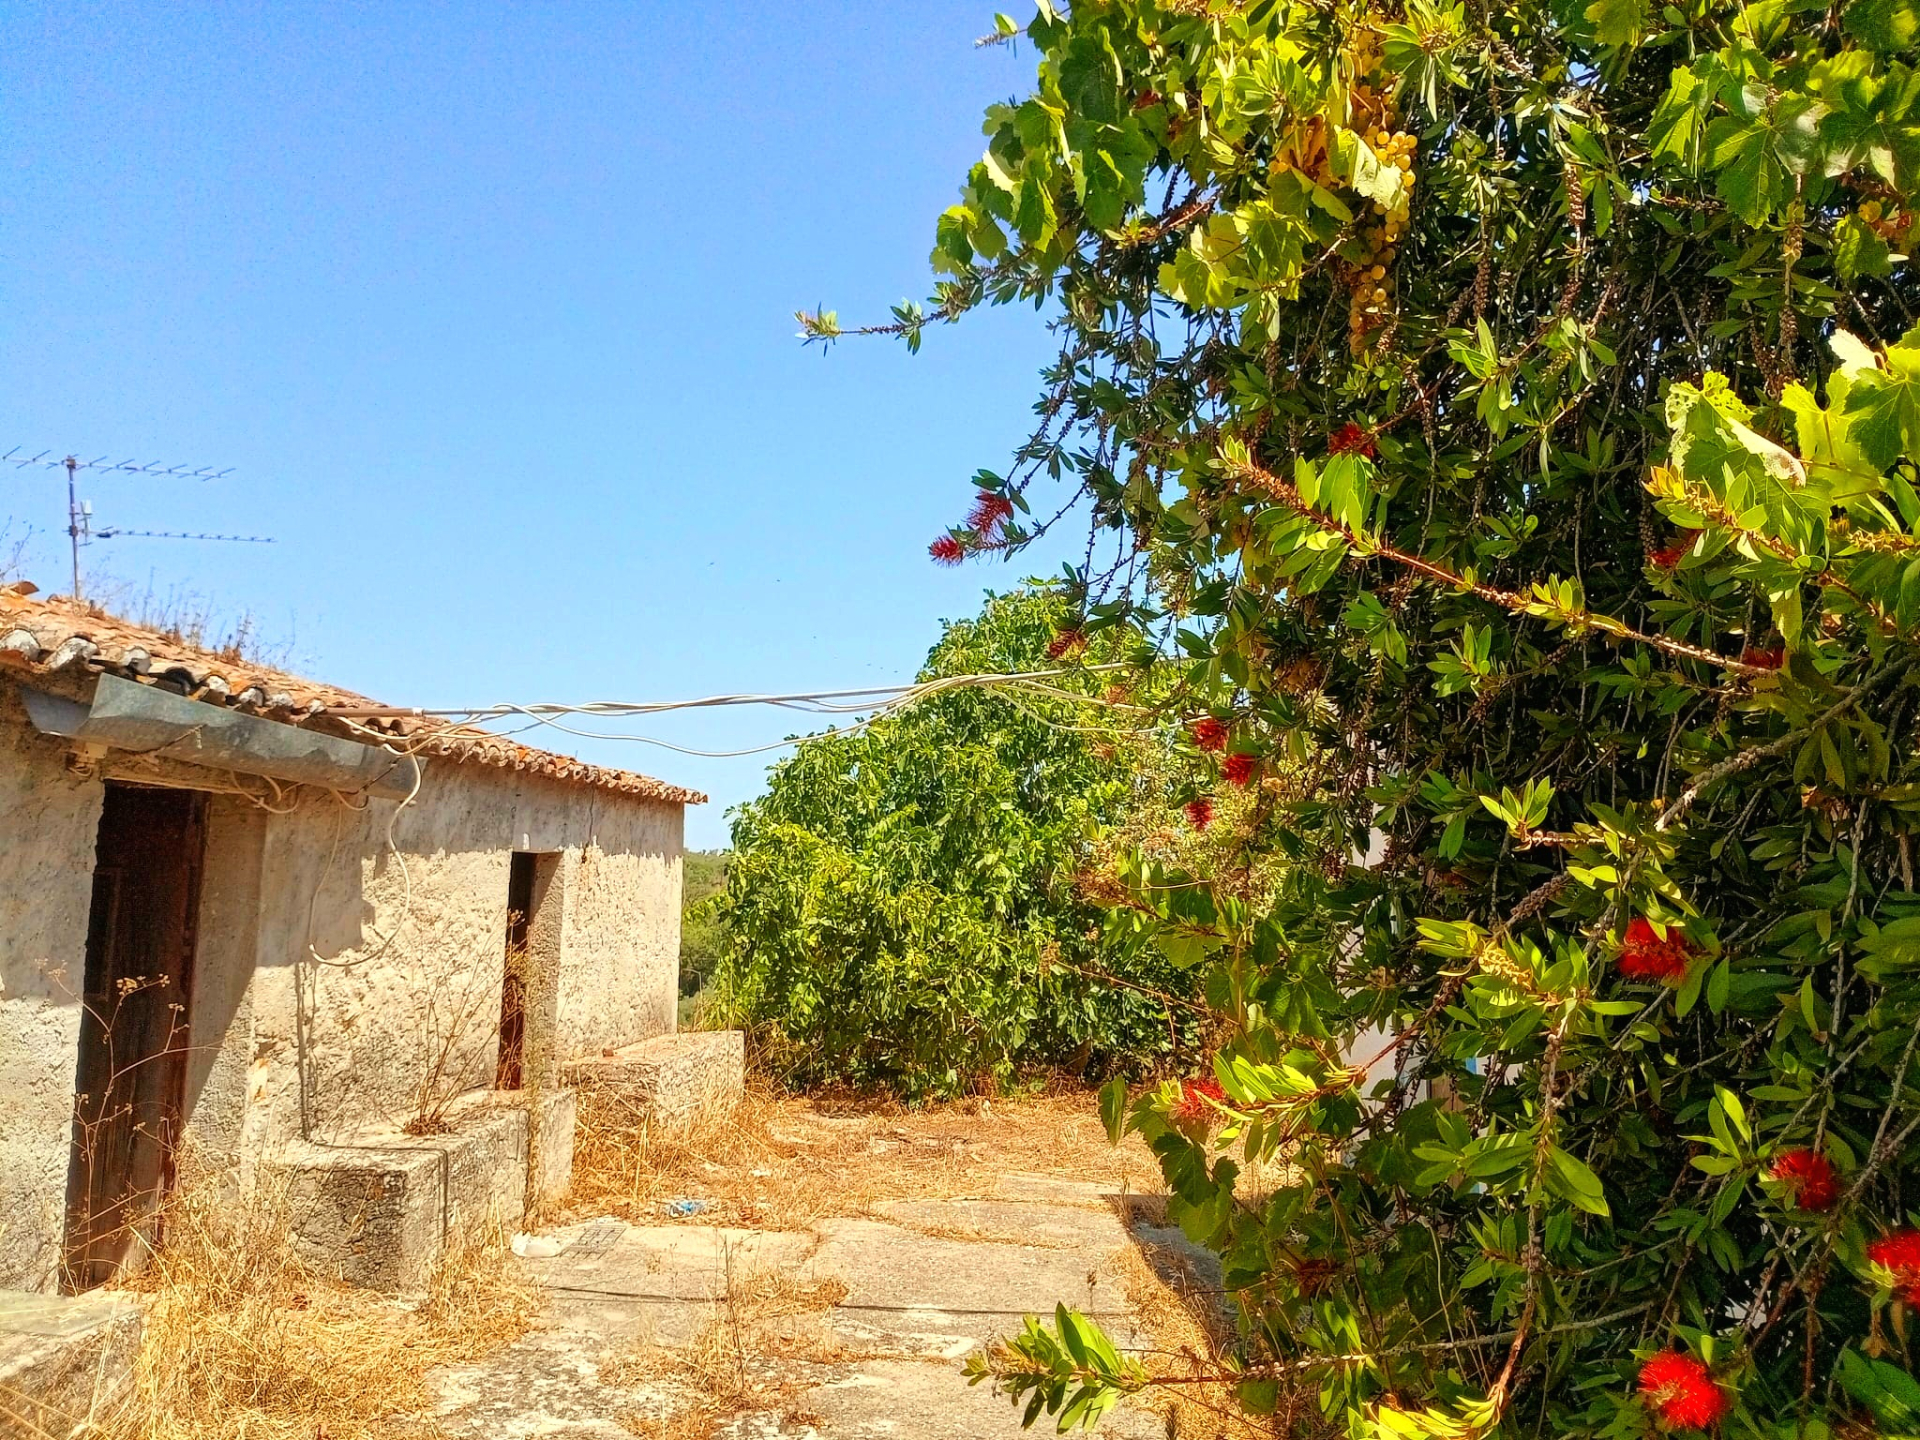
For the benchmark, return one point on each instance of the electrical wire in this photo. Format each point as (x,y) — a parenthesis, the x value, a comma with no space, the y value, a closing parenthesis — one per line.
(406,880)
(820,702)
(867,705)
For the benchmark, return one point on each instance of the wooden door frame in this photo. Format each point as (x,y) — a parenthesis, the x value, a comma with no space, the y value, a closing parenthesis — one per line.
(80,1243)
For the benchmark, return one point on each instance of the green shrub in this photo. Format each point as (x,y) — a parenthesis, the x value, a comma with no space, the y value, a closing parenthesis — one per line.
(703,926)
(902,905)
(1517,406)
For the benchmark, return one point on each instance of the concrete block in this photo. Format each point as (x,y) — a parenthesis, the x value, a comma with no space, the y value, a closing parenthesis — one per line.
(669,1077)
(66,1362)
(553,1155)
(380,1209)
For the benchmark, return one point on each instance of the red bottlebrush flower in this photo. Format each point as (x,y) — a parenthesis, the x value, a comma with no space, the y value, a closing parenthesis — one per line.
(947,551)
(1670,556)
(1765,657)
(1350,438)
(1237,768)
(1898,1251)
(1194,1095)
(1209,734)
(1200,813)
(1898,1254)
(1682,1392)
(1644,955)
(989,510)
(1066,642)
(1810,1179)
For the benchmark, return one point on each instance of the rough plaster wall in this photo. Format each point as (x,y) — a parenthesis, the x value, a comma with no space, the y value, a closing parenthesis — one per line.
(407,990)
(405,983)
(46,882)
(541,967)
(621,979)
(220,1020)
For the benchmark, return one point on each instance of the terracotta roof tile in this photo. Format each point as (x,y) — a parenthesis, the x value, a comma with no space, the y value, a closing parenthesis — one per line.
(55,634)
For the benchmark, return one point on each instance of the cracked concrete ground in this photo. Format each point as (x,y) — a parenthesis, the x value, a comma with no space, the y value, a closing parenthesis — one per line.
(916,1285)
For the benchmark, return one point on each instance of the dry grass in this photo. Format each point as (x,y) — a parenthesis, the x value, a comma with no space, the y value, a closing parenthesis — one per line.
(241,1341)
(1191,1333)
(741,1359)
(780,1162)
(1192,1330)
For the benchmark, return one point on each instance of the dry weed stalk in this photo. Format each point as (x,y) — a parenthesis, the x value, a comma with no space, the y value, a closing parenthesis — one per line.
(459,1027)
(734,1365)
(242,1341)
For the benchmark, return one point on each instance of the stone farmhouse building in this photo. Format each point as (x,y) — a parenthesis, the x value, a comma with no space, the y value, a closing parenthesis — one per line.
(246,936)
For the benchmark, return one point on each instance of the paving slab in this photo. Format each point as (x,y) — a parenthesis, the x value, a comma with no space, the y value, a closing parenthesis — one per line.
(927,1282)
(1056,1190)
(548,1383)
(1012,1222)
(66,1361)
(919,1294)
(908,1400)
(658,1283)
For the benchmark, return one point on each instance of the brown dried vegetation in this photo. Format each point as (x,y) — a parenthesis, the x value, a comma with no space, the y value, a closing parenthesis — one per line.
(781,1162)
(243,1341)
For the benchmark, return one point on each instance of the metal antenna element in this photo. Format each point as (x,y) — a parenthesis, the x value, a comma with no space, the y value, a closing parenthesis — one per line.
(124,467)
(80,529)
(116,533)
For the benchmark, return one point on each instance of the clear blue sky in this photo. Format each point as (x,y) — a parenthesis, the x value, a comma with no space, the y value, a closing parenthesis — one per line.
(490,307)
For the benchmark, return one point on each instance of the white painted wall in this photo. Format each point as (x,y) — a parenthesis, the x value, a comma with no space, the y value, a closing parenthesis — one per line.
(410,955)
(48,823)
(408,969)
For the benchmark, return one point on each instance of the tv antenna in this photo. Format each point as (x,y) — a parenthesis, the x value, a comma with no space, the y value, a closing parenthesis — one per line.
(80,529)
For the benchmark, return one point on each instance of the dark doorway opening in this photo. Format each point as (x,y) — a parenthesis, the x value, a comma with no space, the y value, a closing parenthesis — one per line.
(528,979)
(509,1072)
(133,1026)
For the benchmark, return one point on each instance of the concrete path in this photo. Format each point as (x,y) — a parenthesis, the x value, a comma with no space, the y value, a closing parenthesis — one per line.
(854,1328)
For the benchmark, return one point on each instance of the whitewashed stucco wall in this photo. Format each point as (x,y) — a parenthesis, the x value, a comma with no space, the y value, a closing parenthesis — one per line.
(48,821)
(409,957)
(621,977)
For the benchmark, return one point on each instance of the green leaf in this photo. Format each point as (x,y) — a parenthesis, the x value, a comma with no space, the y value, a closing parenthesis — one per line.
(1890,1392)
(1355,162)
(1744,149)
(1068,1323)
(1680,119)
(1113,1108)
(1883,407)
(1090,79)
(1717,984)
(1689,992)
(1617,22)
(1887,26)
(1870,121)
(1858,251)
(1581,1185)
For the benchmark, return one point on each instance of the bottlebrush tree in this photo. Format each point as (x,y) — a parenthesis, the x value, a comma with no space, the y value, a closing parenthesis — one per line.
(1511,411)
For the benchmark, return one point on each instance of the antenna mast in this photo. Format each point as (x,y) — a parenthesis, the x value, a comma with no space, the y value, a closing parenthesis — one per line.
(73,521)
(80,529)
